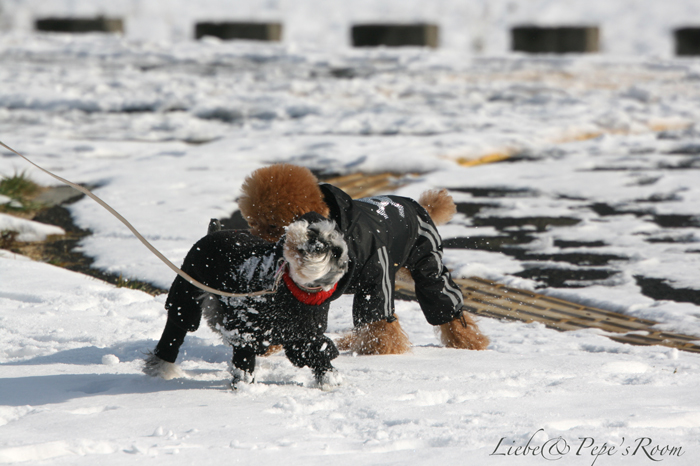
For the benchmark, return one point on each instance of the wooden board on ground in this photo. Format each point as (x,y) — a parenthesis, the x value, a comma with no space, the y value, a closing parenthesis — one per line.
(359,185)
(490,299)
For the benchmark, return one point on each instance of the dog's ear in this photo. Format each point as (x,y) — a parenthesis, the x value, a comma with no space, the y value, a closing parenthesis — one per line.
(297,234)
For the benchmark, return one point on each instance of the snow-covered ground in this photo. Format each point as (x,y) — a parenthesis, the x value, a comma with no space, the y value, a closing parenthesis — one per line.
(168,132)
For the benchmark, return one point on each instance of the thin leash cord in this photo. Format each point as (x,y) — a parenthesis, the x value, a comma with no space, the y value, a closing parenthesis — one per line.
(145,242)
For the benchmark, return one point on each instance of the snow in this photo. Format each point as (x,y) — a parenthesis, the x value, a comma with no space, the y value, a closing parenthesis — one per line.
(72,391)
(167,131)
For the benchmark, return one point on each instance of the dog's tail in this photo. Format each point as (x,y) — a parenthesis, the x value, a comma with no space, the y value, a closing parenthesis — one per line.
(439,204)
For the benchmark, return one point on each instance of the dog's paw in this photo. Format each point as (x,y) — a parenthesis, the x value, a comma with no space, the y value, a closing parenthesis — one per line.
(328,380)
(239,377)
(156,367)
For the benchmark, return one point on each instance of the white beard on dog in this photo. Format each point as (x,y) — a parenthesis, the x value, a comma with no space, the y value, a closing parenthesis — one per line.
(316,253)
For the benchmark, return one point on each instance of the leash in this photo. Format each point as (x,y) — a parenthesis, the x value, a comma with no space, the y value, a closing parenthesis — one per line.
(143,240)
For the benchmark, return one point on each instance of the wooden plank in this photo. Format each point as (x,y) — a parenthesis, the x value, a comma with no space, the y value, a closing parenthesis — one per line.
(359,185)
(546,309)
(494,300)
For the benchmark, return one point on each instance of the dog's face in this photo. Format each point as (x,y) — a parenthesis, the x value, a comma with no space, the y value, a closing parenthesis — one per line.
(317,254)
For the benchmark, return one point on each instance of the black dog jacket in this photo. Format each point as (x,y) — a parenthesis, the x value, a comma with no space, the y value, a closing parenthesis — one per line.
(238,262)
(386,233)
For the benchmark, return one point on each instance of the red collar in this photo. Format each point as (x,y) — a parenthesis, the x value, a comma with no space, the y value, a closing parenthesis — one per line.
(305,297)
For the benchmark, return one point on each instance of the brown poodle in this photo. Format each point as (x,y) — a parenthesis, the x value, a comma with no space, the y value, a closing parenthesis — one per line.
(275,196)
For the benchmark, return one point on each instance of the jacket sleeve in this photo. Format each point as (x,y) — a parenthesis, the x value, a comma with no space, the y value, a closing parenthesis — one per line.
(184,299)
(374,294)
(439,297)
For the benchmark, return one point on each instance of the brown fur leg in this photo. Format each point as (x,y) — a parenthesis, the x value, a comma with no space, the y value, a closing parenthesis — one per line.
(272,349)
(463,333)
(379,337)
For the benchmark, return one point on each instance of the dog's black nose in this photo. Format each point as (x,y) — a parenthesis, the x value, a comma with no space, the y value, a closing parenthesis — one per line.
(318,247)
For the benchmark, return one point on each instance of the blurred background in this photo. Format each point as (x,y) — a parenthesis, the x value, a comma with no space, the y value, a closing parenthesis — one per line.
(482,27)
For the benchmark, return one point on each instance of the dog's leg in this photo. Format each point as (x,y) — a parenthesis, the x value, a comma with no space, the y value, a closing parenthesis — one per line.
(273,349)
(316,353)
(242,366)
(157,367)
(327,379)
(379,337)
(462,332)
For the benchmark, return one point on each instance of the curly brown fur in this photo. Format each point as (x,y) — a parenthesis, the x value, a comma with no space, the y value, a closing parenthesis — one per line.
(379,337)
(273,349)
(275,196)
(463,333)
(439,205)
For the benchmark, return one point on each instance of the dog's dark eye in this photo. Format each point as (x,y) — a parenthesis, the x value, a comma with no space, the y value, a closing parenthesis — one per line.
(337,252)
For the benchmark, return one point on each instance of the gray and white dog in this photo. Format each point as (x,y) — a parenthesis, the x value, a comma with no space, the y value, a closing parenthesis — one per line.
(307,268)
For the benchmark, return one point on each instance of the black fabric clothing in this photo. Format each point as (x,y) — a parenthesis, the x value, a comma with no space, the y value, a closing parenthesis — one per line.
(385,233)
(236,261)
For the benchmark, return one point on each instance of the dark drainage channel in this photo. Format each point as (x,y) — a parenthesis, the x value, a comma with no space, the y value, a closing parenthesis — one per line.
(662,220)
(575,258)
(488,243)
(566,278)
(658,289)
(588,265)
(497,192)
(538,223)
(514,232)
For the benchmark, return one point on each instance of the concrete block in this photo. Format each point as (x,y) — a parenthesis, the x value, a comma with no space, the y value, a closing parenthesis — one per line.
(687,41)
(271,32)
(78,25)
(395,35)
(565,39)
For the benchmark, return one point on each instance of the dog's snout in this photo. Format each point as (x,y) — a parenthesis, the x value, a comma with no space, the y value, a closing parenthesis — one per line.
(318,247)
